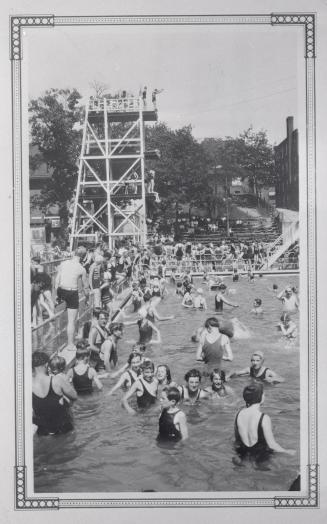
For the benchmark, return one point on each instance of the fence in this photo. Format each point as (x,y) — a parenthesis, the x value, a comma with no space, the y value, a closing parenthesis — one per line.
(209,263)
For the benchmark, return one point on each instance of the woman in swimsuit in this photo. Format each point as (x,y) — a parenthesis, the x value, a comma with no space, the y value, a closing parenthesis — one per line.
(257,370)
(145,387)
(220,299)
(253,431)
(192,391)
(51,414)
(130,375)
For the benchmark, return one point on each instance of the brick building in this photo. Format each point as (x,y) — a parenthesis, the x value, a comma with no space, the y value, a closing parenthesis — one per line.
(287,169)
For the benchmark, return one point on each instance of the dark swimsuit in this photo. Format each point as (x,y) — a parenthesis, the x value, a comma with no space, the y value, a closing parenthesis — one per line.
(82,383)
(262,376)
(260,450)
(145,332)
(146,399)
(167,428)
(219,305)
(51,417)
(191,399)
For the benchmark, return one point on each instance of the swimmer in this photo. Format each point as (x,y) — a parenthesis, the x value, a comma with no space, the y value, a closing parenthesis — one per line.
(199,301)
(57,366)
(179,289)
(82,375)
(289,299)
(109,354)
(130,375)
(137,296)
(220,299)
(250,275)
(213,345)
(253,431)
(172,421)
(145,388)
(287,326)
(218,386)
(187,300)
(215,283)
(257,370)
(274,289)
(257,306)
(192,391)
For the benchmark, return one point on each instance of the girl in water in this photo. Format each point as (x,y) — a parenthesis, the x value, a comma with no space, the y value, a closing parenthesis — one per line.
(218,386)
(130,375)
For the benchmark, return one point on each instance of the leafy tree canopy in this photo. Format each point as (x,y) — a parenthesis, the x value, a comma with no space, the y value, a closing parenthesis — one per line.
(52,120)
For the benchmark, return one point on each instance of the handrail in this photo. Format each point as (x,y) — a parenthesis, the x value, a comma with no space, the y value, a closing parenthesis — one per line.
(115,104)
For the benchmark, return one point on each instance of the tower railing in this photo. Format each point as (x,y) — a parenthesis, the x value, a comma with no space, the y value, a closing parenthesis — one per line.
(113,105)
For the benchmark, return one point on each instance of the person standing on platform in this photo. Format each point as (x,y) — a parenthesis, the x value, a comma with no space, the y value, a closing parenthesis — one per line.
(70,275)
(144,93)
(155,92)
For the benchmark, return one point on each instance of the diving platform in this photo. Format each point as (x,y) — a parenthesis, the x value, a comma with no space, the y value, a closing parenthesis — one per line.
(121,109)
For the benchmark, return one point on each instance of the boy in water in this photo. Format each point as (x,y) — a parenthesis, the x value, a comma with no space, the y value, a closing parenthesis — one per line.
(172,421)
(145,388)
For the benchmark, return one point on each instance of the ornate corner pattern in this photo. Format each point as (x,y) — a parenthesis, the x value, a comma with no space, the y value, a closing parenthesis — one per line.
(309,22)
(16,23)
(30,503)
(311,501)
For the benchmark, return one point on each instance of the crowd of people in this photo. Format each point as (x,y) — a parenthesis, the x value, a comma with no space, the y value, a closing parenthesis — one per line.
(143,383)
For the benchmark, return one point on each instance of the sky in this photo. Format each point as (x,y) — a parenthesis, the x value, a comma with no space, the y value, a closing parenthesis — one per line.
(220,79)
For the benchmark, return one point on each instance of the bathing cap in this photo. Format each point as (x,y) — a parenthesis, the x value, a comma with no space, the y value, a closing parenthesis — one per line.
(252,394)
(258,354)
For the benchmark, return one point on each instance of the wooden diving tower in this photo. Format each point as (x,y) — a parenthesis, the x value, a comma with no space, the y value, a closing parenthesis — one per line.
(111,193)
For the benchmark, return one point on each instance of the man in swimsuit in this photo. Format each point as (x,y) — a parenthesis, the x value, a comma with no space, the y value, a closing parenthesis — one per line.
(257,370)
(192,391)
(253,432)
(51,414)
(213,346)
(146,388)
(172,421)
(70,274)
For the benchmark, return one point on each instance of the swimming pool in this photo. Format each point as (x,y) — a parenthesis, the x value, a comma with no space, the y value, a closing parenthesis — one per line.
(111,451)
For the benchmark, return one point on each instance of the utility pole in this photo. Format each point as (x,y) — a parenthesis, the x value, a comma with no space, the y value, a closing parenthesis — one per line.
(227,206)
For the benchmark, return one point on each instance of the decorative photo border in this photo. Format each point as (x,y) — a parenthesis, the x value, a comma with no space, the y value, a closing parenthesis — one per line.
(19,23)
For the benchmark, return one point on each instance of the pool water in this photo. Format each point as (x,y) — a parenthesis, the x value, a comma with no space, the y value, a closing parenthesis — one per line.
(112,451)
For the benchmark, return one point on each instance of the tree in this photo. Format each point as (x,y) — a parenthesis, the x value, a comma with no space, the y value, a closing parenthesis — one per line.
(255,156)
(222,158)
(52,120)
(181,169)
